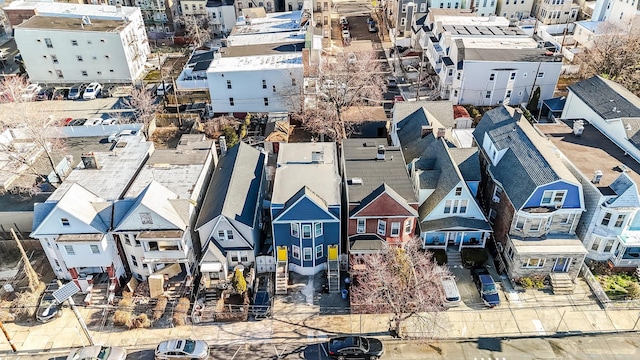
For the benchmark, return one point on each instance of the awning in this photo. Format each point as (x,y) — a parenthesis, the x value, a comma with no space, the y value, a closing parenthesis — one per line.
(210,267)
(549,247)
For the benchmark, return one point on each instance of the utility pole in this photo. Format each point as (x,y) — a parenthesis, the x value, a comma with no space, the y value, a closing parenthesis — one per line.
(6,334)
(32,276)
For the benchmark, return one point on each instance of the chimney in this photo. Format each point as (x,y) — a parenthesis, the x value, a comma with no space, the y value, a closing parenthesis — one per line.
(426,130)
(578,127)
(517,114)
(223,145)
(441,132)
(597,176)
(89,161)
(380,154)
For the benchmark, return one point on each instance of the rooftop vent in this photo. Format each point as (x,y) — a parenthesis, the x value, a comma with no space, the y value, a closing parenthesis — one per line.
(578,127)
(89,160)
(381,152)
(356,181)
(597,176)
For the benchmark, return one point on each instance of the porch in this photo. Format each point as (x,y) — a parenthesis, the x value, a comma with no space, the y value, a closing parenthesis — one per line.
(454,233)
(527,258)
(627,253)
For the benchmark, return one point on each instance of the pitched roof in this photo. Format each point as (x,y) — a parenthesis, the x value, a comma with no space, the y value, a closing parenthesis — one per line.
(467,161)
(163,203)
(607,98)
(409,131)
(360,161)
(235,186)
(442,111)
(454,222)
(528,161)
(383,189)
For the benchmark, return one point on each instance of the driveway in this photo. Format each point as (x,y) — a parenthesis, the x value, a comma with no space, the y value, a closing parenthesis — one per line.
(469,293)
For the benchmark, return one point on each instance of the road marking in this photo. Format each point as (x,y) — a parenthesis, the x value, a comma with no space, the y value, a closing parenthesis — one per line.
(539,328)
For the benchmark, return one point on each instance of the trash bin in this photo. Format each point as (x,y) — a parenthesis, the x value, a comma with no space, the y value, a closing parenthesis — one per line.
(345,293)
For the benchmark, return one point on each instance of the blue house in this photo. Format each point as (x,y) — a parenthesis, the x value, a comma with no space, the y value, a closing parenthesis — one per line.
(305,211)
(533,201)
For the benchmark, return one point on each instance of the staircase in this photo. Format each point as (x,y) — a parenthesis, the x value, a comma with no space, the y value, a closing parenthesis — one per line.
(561,284)
(99,294)
(333,269)
(282,270)
(454,259)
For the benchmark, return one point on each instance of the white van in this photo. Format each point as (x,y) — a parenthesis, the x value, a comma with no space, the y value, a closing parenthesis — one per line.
(164,89)
(450,291)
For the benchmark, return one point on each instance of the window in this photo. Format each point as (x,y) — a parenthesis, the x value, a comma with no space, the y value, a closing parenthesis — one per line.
(84,73)
(533,263)
(229,234)
(361,226)
(273,88)
(455,93)
(65,222)
(458,75)
(519,223)
(266,101)
(447,206)
(319,252)
(48,42)
(295,251)
(307,253)
(450,72)
(99,72)
(145,218)
(408,224)
(48,243)
(134,261)
(79,57)
(264,84)
(69,249)
(74,42)
(95,249)
(395,229)
(306,231)
(221,235)
(228,84)
(403,21)
(293,82)
(492,216)
(606,219)
(535,224)
(458,191)
(404,8)
(609,245)
(295,230)
(382,227)
(620,221)
(492,77)
(540,75)
(596,244)
(54,59)
(508,94)
(488,95)
(553,197)
(244,257)
(231,102)
(463,206)
(317,231)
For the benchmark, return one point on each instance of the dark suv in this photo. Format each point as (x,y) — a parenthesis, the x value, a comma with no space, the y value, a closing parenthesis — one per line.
(486,286)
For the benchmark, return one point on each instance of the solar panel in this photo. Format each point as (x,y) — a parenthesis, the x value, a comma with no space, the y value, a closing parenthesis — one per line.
(65,292)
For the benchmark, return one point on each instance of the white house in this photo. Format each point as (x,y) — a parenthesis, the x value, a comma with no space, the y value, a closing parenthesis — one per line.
(514,9)
(555,11)
(81,49)
(222,15)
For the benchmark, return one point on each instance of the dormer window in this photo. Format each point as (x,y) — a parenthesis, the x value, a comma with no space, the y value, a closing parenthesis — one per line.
(553,197)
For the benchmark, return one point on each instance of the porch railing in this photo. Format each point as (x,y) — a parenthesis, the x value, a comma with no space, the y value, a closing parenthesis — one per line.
(594,284)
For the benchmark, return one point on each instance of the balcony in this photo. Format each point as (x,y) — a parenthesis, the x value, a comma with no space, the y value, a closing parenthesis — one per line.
(163,245)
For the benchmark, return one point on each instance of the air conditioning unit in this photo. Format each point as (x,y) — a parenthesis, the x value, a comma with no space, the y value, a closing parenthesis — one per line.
(496,199)
(558,205)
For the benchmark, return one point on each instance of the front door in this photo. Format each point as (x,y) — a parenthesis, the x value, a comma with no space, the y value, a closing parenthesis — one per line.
(562,265)
(451,239)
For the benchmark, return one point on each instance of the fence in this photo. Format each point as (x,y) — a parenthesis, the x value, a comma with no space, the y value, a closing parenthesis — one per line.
(594,285)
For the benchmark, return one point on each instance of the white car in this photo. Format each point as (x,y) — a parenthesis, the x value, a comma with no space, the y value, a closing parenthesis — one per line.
(92,91)
(31,91)
(182,349)
(93,122)
(109,121)
(98,352)
(115,137)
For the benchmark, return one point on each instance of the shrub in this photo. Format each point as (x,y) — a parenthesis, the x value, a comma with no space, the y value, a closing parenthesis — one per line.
(526,282)
(633,291)
(141,322)
(474,257)
(122,318)
(125,303)
(440,255)
(183,306)
(158,309)
(231,136)
(179,319)
(239,282)
(163,134)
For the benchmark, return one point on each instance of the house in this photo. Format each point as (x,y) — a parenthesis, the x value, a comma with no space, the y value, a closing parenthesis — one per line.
(601,145)
(73,223)
(555,12)
(70,43)
(305,211)
(230,220)
(194,73)
(381,204)
(160,16)
(222,15)
(445,178)
(532,200)
(261,66)
(514,9)
(154,221)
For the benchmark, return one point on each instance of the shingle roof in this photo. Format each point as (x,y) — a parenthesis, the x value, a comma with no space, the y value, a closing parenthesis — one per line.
(360,162)
(409,126)
(454,222)
(234,187)
(467,161)
(384,189)
(607,98)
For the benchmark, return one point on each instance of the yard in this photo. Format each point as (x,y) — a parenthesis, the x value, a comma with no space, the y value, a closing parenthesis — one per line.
(622,286)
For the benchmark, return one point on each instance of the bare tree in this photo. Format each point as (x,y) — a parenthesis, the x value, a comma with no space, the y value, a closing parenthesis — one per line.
(344,81)
(402,281)
(614,55)
(145,106)
(30,134)
(197,28)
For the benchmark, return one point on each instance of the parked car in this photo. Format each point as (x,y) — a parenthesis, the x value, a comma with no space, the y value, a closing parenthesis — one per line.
(450,293)
(48,306)
(92,91)
(109,121)
(262,296)
(346,34)
(182,349)
(66,121)
(30,92)
(486,286)
(98,352)
(373,28)
(346,27)
(398,98)
(355,347)
(77,122)
(93,122)
(108,90)
(392,83)
(164,89)
(60,94)
(45,94)
(76,91)
(123,133)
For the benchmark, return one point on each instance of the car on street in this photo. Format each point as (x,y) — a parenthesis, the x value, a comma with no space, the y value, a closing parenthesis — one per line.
(123,133)
(109,121)
(486,286)
(45,93)
(92,91)
(186,349)
(48,306)
(76,91)
(98,353)
(355,347)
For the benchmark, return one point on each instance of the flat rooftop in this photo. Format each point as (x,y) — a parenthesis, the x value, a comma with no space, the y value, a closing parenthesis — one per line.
(456,17)
(487,51)
(118,167)
(590,152)
(281,37)
(72,24)
(176,169)
(263,49)
(484,30)
(274,61)
(74,9)
(273,22)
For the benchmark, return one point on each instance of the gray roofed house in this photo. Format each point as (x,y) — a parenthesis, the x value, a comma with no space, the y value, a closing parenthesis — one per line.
(607,98)
(231,211)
